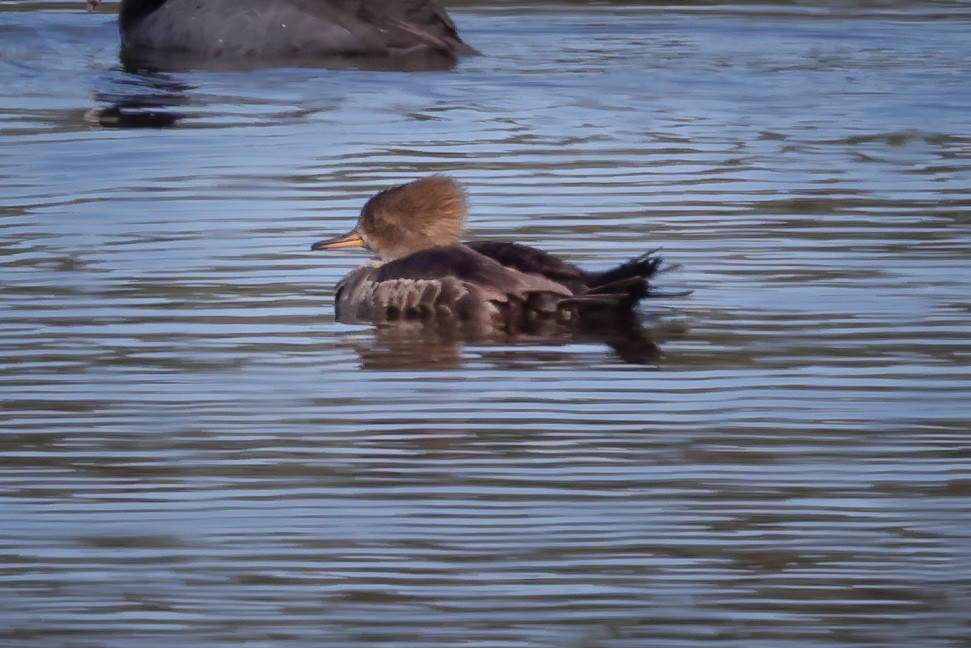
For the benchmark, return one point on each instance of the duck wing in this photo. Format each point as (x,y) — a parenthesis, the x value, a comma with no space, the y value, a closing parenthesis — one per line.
(412,23)
(446,283)
(619,287)
(533,261)
(285,30)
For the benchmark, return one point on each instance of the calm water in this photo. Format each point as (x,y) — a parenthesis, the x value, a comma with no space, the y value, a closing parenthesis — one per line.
(193,453)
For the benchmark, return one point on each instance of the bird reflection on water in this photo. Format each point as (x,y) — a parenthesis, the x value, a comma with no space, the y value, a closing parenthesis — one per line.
(247,34)
(396,347)
(159,36)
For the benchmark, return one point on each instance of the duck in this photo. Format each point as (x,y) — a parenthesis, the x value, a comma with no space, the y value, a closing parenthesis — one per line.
(272,32)
(422,274)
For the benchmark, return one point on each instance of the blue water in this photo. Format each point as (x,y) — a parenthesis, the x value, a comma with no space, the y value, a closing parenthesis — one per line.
(194,453)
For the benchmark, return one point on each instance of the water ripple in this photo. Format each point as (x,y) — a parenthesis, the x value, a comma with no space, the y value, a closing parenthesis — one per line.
(194,452)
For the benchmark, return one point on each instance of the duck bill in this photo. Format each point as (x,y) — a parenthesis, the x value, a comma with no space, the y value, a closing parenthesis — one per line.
(348,240)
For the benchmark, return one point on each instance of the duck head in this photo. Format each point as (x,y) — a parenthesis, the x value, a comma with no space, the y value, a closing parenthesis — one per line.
(423,214)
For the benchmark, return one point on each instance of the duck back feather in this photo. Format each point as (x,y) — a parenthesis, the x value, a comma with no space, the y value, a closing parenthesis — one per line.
(213,32)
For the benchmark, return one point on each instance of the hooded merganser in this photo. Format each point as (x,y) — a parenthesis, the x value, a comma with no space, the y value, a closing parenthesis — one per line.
(203,32)
(423,274)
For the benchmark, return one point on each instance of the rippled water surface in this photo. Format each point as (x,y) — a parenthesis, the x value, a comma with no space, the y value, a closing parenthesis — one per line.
(193,452)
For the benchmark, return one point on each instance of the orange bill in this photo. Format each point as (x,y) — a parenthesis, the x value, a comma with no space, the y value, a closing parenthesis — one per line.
(348,240)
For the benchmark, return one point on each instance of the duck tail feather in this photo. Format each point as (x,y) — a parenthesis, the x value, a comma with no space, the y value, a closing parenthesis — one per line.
(642,267)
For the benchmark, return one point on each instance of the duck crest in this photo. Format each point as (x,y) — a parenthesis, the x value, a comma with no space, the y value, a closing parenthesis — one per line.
(424,214)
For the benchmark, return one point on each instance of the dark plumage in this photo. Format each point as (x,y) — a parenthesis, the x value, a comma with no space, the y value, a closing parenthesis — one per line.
(423,274)
(187,33)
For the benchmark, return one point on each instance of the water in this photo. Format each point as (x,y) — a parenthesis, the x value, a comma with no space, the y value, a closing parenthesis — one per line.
(194,453)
